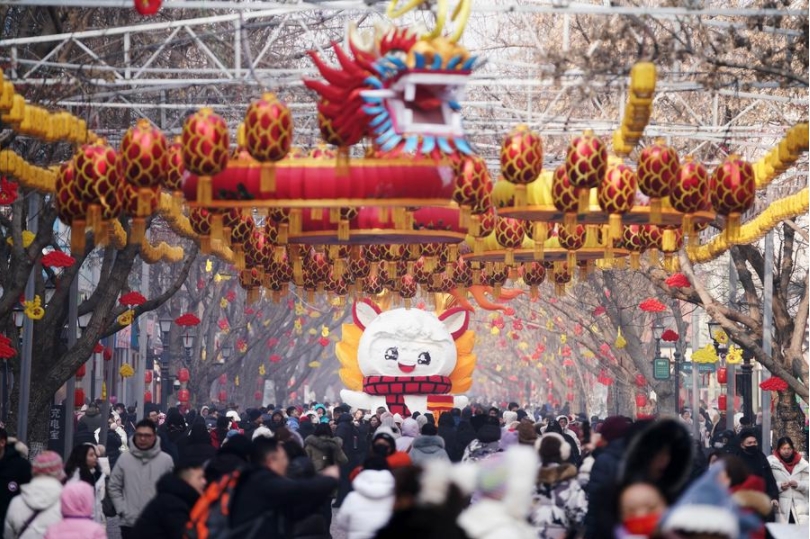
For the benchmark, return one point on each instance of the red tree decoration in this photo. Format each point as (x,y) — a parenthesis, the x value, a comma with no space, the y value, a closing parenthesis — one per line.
(599,310)
(58,259)
(147,7)
(774,383)
(187,319)
(131,299)
(6,351)
(652,305)
(98,348)
(669,336)
(8,192)
(147,396)
(641,400)
(722,402)
(678,280)
(183,375)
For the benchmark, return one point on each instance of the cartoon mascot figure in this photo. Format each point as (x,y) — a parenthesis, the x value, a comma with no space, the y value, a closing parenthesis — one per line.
(406,360)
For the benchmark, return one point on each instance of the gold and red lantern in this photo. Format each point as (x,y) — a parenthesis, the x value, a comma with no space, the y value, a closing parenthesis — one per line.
(173,179)
(147,7)
(657,170)
(71,207)
(561,275)
(732,190)
(471,184)
(722,402)
(510,234)
(652,238)
(407,289)
(205,149)
(534,273)
(131,204)
(689,192)
(240,235)
(633,242)
(722,375)
(521,160)
(585,165)
(268,135)
(200,220)
(147,376)
(564,196)
(571,239)
(617,194)
(641,400)
(142,162)
(95,176)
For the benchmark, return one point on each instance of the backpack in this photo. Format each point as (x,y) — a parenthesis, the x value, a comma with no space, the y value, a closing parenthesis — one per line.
(210,516)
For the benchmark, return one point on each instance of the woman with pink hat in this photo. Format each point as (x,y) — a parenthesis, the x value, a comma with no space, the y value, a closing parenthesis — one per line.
(77,502)
(37,507)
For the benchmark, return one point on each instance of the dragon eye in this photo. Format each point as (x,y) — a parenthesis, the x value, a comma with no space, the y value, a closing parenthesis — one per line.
(392,354)
(424,358)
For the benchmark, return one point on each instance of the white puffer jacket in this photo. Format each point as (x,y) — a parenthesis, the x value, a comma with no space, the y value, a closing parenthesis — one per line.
(41,494)
(791,500)
(368,507)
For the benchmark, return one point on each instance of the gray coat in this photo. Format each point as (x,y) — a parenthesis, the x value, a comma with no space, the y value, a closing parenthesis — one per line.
(134,480)
(425,448)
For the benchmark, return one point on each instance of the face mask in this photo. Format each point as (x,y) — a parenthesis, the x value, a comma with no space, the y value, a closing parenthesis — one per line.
(643,525)
(751,450)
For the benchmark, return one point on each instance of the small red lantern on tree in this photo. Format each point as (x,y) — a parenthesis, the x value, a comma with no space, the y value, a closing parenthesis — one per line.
(147,7)
(257,395)
(183,395)
(640,380)
(641,400)
(147,395)
(81,371)
(722,375)
(147,377)
(223,378)
(183,375)
(78,397)
(722,402)
(223,395)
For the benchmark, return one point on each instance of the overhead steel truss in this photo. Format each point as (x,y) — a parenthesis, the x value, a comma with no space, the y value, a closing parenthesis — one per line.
(106,73)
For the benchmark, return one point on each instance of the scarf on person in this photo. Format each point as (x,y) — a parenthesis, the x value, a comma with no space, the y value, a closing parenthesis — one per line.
(789,465)
(394,389)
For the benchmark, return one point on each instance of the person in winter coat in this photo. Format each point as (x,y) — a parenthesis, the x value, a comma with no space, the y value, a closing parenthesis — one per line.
(575,457)
(308,524)
(465,433)
(600,518)
(196,446)
(231,455)
(83,435)
(91,419)
(134,480)
(757,462)
(485,444)
(368,507)
(410,431)
(347,431)
(790,471)
(112,445)
(558,503)
(175,426)
(504,488)
(37,507)
(428,446)
(447,431)
(77,515)
(15,471)
(323,449)
(83,465)
(166,515)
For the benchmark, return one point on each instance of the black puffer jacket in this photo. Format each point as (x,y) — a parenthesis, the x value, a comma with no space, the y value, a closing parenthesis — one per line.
(166,515)
(15,471)
(599,521)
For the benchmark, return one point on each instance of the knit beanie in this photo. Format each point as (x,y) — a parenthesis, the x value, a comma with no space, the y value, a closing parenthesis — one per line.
(526,433)
(488,433)
(614,427)
(48,463)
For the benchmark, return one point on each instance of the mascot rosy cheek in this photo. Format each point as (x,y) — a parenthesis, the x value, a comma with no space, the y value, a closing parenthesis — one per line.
(406,360)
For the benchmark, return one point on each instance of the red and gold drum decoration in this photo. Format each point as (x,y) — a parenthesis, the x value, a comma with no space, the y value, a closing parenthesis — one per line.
(173,179)
(585,165)
(521,160)
(200,220)
(205,149)
(95,176)
(471,185)
(71,207)
(142,162)
(240,234)
(534,273)
(571,239)
(657,171)
(509,234)
(689,192)
(616,195)
(732,190)
(132,204)
(268,135)
(561,276)
(564,196)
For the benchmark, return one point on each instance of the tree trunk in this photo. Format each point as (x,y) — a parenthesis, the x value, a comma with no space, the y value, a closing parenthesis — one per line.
(667,402)
(789,420)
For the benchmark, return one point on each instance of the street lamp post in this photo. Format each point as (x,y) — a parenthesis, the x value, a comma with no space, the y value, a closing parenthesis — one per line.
(721,348)
(746,389)
(19,320)
(165,356)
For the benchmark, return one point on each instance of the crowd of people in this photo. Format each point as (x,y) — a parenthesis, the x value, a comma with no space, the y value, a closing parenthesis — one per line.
(476,473)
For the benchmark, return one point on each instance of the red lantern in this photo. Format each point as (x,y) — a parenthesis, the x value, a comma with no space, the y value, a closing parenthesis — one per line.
(147,377)
(81,371)
(182,375)
(569,397)
(205,149)
(732,191)
(616,195)
(722,375)
(641,400)
(268,135)
(147,7)
(640,380)
(585,165)
(257,395)
(183,395)
(147,395)
(569,382)
(78,397)
(521,160)
(223,378)
(222,396)
(722,402)
(657,170)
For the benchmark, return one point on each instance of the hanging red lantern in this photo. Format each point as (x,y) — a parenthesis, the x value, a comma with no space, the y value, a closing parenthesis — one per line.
(78,397)
(205,149)
(183,395)
(223,378)
(689,191)
(564,196)
(147,377)
(183,375)
(257,395)
(732,191)
(616,195)
(268,135)
(722,402)
(222,395)
(107,354)
(147,395)
(471,181)
(81,371)
(510,234)
(657,170)
(147,7)
(142,162)
(569,382)
(521,160)
(640,380)
(641,400)
(585,165)
(722,375)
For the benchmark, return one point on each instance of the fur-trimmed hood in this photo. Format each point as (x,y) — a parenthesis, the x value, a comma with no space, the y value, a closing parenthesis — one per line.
(756,501)
(554,473)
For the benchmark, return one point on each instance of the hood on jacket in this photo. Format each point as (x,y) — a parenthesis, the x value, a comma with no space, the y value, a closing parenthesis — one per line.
(429,444)
(322,443)
(410,427)
(42,492)
(446,420)
(374,484)
(78,500)
(175,486)
(144,454)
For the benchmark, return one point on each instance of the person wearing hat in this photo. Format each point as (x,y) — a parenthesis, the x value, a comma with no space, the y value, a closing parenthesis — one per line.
(563,422)
(76,505)
(487,442)
(37,506)
(609,453)
(92,418)
(254,421)
(527,435)
(385,445)
(748,450)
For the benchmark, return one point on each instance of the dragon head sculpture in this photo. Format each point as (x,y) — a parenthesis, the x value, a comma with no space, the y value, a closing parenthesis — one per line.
(401,90)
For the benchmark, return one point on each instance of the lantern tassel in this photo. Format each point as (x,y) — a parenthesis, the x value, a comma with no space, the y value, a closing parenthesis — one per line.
(615,223)
(267,178)
(571,259)
(205,190)
(520,195)
(334,215)
(559,290)
(239,255)
(217,230)
(533,291)
(635,261)
(509,258)
(298,272)
(655,211)
(464,217)
(653,254)
(570,222)
(343,232)
(138,231)
(584,200)
(283,233)
(733,228)
(474,226)
(668,241)
(478,246)
(205,245)
(316,214)
(144,202)
(452,253)
(295,221)
(77,238)
(382,214)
